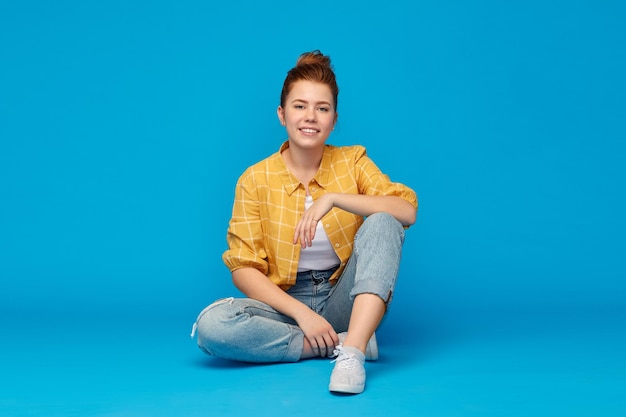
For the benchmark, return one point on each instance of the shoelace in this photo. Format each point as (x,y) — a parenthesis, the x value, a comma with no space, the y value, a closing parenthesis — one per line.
(344,360)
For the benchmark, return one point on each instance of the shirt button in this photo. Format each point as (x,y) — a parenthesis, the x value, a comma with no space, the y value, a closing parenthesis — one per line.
(336,245)
(327,225)
(313,189)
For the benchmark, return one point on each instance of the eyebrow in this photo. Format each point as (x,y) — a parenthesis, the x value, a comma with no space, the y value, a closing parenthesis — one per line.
(304,101)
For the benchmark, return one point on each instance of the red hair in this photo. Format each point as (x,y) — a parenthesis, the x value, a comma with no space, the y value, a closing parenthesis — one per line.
(311,66)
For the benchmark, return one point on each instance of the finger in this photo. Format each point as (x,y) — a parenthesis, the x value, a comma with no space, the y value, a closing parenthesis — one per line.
(298,234)
(330,345)
(321,343)
(311,230)
(315,347)
(306,237)
(304,233)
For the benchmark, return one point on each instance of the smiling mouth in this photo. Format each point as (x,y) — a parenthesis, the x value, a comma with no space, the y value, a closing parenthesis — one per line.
(309,131)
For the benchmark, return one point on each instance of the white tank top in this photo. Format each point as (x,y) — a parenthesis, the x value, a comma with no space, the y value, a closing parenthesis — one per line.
(320,255)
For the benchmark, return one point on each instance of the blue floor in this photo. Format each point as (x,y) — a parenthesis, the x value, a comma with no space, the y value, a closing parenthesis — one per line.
(483,365)
(125,124)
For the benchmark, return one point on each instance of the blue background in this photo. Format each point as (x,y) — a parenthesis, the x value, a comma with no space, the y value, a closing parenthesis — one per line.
(124,127)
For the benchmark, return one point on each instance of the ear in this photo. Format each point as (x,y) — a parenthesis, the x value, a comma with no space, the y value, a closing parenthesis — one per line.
(281,115)
(336,117)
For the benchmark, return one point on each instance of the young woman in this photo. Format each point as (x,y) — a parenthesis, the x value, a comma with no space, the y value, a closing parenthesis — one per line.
(314,242)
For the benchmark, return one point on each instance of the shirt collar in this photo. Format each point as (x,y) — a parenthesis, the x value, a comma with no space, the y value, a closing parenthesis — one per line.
(324,171)
(290,182)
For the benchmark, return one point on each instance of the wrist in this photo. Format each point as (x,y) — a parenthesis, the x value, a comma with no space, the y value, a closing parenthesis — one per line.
(301,313)
(330,199)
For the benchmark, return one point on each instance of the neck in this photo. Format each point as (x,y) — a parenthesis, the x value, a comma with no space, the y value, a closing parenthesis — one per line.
(303,163)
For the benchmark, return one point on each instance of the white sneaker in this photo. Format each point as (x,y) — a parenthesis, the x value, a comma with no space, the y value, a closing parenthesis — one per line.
(348,375)
(371,351)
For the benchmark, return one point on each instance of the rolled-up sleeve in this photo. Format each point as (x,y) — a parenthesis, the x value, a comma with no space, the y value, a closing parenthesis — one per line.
(245,234)
(372,181)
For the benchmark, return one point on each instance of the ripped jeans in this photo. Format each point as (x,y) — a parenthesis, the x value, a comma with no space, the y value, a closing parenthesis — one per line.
(248,330)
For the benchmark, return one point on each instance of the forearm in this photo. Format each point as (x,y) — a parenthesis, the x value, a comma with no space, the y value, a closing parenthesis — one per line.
(366,205)
(255,285)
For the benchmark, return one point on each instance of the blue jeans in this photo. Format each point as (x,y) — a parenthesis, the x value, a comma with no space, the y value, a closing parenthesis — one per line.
(248,330)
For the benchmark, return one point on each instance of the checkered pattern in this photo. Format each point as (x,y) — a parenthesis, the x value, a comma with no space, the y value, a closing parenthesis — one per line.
(269,201)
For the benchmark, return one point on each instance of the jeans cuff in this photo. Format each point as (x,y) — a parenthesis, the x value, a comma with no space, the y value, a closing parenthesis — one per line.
(384,291)
(296,344)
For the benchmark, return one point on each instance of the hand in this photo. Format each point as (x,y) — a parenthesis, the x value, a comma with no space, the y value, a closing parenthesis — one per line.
(319,333)
(305,229)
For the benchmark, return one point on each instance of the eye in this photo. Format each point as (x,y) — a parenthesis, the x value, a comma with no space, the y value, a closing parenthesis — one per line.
(298,106)
(324,109)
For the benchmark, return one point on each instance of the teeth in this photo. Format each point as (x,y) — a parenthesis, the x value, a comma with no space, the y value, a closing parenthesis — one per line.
(309,130)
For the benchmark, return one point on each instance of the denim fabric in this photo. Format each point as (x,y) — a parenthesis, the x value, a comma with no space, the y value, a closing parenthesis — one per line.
(247,330)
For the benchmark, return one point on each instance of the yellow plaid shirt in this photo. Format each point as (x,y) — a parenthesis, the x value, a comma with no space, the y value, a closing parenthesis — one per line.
(269,201)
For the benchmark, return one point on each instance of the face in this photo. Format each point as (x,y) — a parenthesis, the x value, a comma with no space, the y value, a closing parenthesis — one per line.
(309,114)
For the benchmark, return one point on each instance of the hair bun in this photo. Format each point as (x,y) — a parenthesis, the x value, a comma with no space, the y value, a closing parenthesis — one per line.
(311,66)
(313,58)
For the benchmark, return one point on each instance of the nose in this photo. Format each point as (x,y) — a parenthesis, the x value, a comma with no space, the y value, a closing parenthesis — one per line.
(311,114)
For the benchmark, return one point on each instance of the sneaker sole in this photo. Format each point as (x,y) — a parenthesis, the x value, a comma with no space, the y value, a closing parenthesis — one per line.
(346,389)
